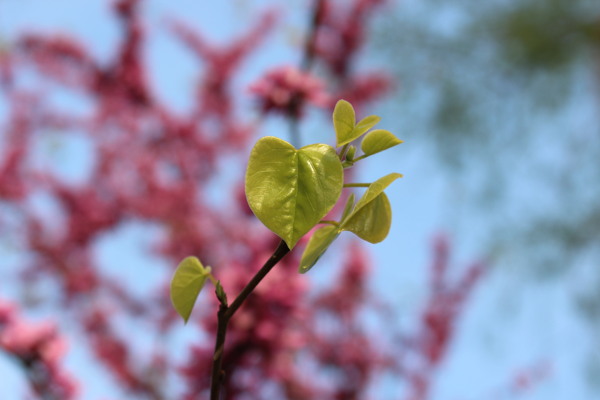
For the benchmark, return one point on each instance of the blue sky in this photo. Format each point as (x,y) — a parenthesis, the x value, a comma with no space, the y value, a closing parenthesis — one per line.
(508,325)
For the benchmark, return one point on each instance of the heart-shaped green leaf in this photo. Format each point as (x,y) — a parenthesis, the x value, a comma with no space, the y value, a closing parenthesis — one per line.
(343,122)
(317,245)
(291,190)
(189,278)
(365,124)
(372,221)
(378,140)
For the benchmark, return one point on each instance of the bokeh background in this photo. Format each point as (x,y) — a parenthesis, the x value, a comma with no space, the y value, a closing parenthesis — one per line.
(498,103)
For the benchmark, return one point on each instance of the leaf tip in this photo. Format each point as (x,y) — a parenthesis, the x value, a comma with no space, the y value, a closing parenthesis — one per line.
(344,121)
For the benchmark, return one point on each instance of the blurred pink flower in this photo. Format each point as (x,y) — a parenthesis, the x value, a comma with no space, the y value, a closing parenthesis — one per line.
(285,89)
(40,349)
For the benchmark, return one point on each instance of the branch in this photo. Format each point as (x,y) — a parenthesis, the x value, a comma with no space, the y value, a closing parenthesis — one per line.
(226,312)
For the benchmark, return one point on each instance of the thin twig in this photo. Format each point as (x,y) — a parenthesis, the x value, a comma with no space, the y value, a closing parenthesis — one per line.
(226,312)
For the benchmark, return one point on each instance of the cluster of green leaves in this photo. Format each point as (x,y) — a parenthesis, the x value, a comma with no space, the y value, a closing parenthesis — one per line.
(370,218)
(291,190)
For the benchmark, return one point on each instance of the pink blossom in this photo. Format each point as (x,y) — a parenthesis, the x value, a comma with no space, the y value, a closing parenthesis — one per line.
(40,349)
(7,312)
(285,89)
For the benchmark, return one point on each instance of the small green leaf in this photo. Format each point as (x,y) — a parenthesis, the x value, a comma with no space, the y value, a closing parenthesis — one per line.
(343,122)
(350,154)
(378,140)
(317,245)
(188,280)
(371,222)
(365,124)
(372,215)
(375,189)
(220,292)
(291,190)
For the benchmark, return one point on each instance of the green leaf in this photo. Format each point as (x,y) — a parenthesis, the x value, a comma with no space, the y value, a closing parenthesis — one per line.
(220,292)
(365,124)
(372,215)
(371,222)
(350,154)
(189,278)
(291,190)
(343,122)
(317,245)
(375,189)
(378,140)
